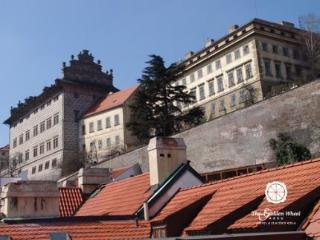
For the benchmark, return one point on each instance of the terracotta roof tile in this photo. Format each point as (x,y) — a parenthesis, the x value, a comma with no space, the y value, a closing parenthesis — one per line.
(95,230)
(118,198)
(118,171)
(5,148)
(234,199)
(111,101)
(70,200)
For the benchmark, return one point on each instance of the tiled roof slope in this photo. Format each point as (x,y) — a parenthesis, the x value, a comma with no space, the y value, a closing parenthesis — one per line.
(118,198)
(118,171)
(233,200)
(5,148)
(95,230)
(312,225)
(111,101)
(70,200)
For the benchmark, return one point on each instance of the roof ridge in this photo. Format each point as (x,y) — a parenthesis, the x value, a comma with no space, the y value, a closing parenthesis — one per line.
(124,180)
(255,173)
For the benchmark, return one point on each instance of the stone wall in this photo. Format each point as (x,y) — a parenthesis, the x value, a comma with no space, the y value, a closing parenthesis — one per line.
(242,138)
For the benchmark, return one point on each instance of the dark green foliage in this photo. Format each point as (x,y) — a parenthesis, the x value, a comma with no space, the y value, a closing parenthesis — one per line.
(155,111)
(288,151)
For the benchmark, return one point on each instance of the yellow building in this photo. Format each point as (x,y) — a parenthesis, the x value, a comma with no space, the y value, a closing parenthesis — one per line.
(250,63)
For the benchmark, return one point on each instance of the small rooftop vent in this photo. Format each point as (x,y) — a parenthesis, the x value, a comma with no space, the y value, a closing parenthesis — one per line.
(59,236)
(189,55)
(209,42)
(233,28)
(287,24)
(4,237)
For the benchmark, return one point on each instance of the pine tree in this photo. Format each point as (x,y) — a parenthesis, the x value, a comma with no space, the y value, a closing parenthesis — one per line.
(156,111)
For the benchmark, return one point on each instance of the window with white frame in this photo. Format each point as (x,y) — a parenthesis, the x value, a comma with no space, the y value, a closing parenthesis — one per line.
(117,140)
(220,83)
(56,119)
(209,68)
(246,50)
(201,92)
(231,79)
(116,120)
(237,54)
(239,75)
(192,78)
(200,74)
(55,142)
(248,70)
(91,127)
(108,122)
(211,87)
(218,64)
(233,100)
(229,58)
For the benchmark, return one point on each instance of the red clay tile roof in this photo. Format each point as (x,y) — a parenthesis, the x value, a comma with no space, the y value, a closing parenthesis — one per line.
(111,101)
(95,230)
(5,148)
(230,208)
(312,225)
(70,200)
(118,198)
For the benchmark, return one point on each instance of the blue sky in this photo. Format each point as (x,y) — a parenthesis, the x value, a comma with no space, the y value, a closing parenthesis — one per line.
(37,36)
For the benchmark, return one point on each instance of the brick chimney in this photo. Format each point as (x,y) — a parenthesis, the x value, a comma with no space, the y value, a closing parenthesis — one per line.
(30,199)
(90,178)
(165,155)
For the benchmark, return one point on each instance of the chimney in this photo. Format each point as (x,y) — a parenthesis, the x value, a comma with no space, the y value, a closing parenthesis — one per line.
(209,42)
(287,24)
(30,199)
(233,28)
(165,155)
(189,55)
(90,178)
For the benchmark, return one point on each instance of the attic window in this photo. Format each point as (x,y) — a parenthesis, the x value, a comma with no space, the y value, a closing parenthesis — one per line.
(161,155)
(59,236)
(4,237)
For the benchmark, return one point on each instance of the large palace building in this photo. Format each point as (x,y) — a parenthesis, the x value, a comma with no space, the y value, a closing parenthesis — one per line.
(249,64)
(44,129)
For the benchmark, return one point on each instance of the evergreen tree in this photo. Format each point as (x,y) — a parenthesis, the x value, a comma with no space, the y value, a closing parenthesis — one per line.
(288,151)
(156,111)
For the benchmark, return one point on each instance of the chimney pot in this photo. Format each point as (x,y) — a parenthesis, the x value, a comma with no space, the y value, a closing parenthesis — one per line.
(233,28)
(189,54)
(209,42)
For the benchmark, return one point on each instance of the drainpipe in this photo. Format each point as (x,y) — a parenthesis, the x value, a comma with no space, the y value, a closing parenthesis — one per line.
(146,211)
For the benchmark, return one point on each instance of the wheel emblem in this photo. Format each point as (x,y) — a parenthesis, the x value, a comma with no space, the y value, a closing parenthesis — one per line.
(276,192)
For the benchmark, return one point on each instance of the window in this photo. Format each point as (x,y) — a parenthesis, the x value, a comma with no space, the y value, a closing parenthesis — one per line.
(83,129)
(213,107)
(200,73)
(298,70)
(278,70)
(49,103)
(246,50)
(21,139)
(42,107)
(231,79)
(42,148)
(14,142)
(222,107)
(285,52)
(27,135)
(99,144)
(108,123)
(296,54)
(56,98)
(76,114)
(99,125)
(239,75)
(275,49)
(54,163)
(56,119)
(27,155)
(193,93)
(191,77)
(288,71)
(19,157)
(248,71)
(55,142)
(237,54)
(264,46)
(233,100)
(201,92)
(209,68)
(35,130)
(35,151)
(116,120)
(184,81)
(40,168)
(108,142)
(242,97)
(46,165)
(220,84)
(91,127)
(49,123)
(48,145)
(42,127)
(33,171)
(218,64)
(267,67)
(211,87)
(229,58)
(117,140)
